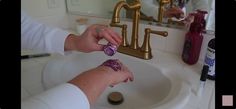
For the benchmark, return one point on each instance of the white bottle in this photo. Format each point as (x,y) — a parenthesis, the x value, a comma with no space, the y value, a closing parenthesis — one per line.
(210,59)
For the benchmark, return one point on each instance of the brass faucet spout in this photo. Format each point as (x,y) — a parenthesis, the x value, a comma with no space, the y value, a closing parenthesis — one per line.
(161,9)
(116,13)
(135,6)
(119,5)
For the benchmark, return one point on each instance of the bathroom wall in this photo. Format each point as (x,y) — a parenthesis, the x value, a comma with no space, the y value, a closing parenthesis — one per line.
(94,7)
(50,12)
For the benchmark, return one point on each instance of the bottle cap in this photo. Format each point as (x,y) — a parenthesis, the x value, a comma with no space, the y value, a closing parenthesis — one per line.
(204,73)
(110,49)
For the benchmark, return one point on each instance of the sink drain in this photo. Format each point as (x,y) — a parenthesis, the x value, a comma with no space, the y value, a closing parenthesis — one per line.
(115,98)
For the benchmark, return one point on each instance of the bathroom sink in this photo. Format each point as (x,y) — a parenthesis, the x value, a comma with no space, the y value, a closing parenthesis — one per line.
(151,88)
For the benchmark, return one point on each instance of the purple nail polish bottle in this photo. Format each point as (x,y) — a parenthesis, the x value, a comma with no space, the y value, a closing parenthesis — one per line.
(110,49)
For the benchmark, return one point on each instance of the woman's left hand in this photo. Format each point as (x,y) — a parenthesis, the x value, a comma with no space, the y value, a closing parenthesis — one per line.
(188,20)
(174,12)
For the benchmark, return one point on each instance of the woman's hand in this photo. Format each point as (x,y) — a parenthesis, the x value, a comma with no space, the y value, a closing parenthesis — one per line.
(119,72)
(88,41)
(174,12)
(188,20)
(93,82)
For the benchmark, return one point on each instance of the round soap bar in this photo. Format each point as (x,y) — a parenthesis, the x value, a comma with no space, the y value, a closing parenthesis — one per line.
(115,98)
(110,49)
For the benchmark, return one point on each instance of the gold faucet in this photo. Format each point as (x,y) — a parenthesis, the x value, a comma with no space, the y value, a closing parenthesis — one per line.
(161,9)
(133,49)
(136,5)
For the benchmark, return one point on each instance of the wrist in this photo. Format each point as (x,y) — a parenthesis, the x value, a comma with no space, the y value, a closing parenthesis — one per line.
(71,42)
(93,82)
(107,73)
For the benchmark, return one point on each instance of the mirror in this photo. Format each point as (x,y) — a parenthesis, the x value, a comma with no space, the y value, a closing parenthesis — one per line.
(98,8)
(149,11)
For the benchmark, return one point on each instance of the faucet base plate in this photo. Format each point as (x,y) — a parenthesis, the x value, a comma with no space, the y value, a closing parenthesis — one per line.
(135,52)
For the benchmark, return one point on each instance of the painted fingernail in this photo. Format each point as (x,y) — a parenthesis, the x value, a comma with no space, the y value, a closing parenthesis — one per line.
(131,79)
(111,86)
(126,80)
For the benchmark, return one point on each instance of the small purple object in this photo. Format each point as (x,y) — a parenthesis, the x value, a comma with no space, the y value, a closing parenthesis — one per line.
(110,49)
(113,63)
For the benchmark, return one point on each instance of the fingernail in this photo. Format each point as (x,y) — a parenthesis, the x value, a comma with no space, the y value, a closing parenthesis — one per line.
(111,86)
(131,79)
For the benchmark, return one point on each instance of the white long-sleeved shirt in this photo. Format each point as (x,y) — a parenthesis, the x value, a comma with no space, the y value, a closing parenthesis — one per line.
(38,36)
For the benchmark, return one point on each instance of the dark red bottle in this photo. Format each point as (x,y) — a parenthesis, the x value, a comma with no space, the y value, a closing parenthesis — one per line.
(193,39)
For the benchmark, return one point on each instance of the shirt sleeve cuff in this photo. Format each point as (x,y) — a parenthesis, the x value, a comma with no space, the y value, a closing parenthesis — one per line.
(57,41)
(65,96)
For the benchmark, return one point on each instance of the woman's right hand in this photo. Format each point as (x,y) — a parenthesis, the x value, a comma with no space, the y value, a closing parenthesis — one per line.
(94,81)
(123,74)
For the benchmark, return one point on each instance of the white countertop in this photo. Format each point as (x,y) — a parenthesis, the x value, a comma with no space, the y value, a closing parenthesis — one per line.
(31,70)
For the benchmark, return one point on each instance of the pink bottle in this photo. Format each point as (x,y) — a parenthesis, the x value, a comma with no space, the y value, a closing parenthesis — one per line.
(193,39)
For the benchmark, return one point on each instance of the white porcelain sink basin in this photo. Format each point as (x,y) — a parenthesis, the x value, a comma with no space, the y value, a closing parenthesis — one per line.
(151,88)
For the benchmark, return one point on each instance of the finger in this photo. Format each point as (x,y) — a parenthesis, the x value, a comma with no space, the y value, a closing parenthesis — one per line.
(112,85)
(179,15)
(101,25)
(126,80)
(99,47)
(177,9)
(98,29)
(94,26)
(177,12)
(102,29)
(115,35)
(130,74)
(108,37)
(127,76)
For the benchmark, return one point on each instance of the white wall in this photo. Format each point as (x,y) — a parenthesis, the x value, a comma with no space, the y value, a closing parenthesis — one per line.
(102,8)
(39,9)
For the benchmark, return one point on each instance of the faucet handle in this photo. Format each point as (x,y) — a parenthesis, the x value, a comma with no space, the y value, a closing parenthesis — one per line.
(146,42)
(162,33)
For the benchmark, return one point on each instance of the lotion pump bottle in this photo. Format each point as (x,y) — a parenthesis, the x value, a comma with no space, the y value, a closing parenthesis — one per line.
(194,38)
